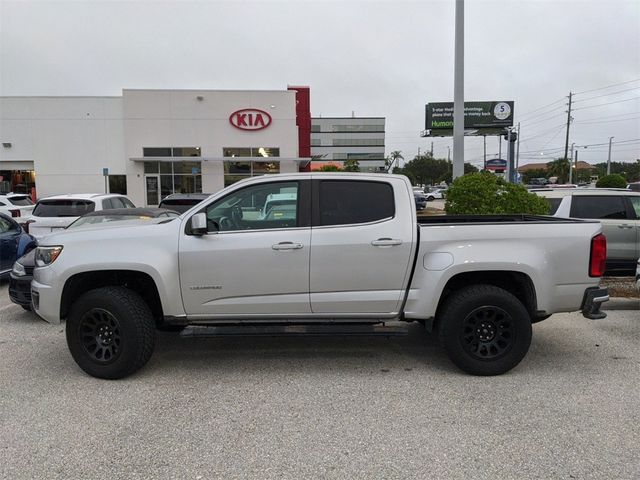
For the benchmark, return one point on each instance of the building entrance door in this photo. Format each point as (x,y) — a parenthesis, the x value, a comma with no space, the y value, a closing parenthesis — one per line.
(152,190)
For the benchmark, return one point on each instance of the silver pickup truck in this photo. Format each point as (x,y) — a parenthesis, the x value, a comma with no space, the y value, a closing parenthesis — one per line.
(346,251)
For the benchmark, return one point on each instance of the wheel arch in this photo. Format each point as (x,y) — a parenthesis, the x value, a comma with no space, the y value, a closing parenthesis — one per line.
(518,284)
(140,282)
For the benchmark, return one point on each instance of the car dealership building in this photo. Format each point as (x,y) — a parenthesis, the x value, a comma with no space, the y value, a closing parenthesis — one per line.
(151,143)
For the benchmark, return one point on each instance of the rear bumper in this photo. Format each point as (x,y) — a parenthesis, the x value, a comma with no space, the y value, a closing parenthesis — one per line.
(593,299)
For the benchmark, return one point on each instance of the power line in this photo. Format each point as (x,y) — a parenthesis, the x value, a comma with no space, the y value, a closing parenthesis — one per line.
(541,108)
(608,86)
(607,121)
(542,119)
(608,103)
(606,94)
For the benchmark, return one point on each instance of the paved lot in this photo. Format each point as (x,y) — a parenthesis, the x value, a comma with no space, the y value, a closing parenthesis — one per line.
(323,408)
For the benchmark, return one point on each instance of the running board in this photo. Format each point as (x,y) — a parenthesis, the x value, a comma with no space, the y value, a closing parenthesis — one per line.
(295,330)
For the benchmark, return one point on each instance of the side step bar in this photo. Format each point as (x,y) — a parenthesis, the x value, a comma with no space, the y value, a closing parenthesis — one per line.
(295,330)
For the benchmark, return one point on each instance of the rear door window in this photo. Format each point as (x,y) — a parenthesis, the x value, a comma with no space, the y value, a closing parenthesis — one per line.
(598,207)
(63,208)
(349,202)
(635,203)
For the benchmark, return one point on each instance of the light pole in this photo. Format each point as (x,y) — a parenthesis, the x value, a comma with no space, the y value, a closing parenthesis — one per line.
(448,153)
(609,157)
(458,93)
(571,165)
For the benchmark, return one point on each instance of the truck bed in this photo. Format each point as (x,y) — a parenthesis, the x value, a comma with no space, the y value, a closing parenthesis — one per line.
(491,219)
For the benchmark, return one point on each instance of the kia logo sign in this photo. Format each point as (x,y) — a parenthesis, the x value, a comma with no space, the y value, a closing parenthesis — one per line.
(250,119)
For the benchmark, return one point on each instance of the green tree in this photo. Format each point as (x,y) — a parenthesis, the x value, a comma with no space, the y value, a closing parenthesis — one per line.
(484,193)
(615,180)
(351,166)
(392,161)
(559,168)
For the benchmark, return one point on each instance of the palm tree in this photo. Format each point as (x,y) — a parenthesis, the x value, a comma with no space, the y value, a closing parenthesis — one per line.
(393,157)
(559,168)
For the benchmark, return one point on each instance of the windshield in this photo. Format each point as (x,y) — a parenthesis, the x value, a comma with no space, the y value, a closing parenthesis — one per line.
(63,208)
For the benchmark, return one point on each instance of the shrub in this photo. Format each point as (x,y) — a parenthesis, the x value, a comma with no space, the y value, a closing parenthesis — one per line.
(486,194)
(614,180)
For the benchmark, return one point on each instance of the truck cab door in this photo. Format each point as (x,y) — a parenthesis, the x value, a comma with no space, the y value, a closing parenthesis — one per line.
(362,245)
(252,262)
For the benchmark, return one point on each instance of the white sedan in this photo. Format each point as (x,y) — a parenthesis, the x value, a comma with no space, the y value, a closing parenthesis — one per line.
(436,194)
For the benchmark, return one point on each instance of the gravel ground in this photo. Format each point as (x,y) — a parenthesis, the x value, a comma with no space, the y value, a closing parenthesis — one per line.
(323,407)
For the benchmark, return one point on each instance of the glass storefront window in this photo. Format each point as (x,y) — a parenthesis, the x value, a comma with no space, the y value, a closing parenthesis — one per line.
(260,168)
(237,168)
(156,152)
(236,152)
(186,152)
(151,167)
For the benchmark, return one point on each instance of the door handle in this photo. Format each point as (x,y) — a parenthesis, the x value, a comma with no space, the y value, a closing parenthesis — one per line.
(386,242)
(625,225)
(286,246)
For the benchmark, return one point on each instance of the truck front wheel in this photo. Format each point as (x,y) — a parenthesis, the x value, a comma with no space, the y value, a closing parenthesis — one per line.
(484,329)
(110,332)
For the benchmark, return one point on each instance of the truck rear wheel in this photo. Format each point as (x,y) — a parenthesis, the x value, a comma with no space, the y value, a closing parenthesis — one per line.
(485,330)
(110,332)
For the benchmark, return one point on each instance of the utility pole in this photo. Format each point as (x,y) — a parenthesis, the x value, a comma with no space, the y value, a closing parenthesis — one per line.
(609,157)
(566,142)
(500,146)
(431,149)
(484,137)
(448,153)
(418,151)
(458,94)
(518,149)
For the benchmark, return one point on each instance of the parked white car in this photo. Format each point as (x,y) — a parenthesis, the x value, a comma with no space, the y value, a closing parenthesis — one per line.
(55,213)
(16,205)
(437,194)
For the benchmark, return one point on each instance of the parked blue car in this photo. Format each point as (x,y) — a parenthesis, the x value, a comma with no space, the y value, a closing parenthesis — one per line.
(14,243)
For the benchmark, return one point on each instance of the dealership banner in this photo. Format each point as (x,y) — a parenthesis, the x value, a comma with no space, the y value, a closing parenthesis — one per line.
(480,118)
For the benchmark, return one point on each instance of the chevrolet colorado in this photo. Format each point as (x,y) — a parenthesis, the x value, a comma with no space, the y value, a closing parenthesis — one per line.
(350,251)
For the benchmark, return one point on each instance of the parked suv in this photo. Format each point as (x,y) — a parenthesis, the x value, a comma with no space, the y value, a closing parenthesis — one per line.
(55,213)
(16,205)
(619,212)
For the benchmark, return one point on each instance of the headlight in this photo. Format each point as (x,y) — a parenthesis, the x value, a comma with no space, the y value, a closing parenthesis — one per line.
(18,270)
(47,255)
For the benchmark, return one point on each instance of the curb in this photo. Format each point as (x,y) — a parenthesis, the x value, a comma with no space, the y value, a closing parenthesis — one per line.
(621,303)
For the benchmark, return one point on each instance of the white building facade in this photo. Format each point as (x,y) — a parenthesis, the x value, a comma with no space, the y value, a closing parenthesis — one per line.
(147,143)
(339,139)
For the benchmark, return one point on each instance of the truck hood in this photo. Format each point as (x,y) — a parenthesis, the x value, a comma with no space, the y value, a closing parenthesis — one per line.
(111,231)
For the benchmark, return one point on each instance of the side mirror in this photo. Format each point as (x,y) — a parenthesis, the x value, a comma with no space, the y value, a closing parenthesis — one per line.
(199,224)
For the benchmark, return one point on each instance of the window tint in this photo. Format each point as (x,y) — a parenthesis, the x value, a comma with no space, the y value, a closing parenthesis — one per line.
(598,207)
(6,225)
(21,201)
(554,203)
(127,203)
(269,205)
(63,208)
(347,202)
(107,204)
(635,202)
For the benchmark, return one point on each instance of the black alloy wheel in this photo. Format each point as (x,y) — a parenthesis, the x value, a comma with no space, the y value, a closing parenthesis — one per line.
(488,333)
(101,335)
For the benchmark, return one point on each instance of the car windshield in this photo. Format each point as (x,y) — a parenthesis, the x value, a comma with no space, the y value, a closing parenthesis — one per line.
(20,201)
(63,208)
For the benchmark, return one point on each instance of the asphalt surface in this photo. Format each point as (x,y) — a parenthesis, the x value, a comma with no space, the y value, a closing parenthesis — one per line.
(323,407)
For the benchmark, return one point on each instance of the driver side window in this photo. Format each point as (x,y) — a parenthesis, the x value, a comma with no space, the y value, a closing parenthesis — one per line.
(256,207)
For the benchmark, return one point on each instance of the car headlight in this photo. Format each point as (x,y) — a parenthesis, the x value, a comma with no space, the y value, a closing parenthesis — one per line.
(18,270)
(47,255)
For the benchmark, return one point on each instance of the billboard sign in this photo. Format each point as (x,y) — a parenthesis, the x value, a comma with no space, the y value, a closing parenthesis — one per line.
(480,118)
(496,165)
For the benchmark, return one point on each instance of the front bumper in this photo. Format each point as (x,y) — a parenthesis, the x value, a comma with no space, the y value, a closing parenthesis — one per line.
(20,290)
(593,299)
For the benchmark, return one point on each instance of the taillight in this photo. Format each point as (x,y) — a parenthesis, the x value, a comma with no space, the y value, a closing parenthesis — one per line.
(598,256)
(14,213)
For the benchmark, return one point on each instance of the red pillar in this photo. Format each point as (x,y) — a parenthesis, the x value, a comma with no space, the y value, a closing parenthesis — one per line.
(303,121)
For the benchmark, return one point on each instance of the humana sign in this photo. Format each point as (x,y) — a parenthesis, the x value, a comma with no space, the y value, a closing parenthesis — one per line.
(483,118)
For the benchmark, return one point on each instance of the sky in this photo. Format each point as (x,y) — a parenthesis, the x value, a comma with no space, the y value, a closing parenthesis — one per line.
(374,58)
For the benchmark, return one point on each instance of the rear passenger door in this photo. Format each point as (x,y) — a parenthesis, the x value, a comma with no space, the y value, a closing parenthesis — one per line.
(617,223)
(361,244)
(635,208)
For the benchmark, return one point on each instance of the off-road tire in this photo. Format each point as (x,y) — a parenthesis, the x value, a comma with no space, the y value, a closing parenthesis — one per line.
(484,329)
(100,317)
